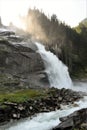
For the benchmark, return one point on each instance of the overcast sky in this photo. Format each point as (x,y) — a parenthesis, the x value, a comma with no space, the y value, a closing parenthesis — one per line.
(69,11)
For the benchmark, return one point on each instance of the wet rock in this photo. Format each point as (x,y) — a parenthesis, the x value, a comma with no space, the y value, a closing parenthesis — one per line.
(60,99)
(16,116)
(10,103)
(21,107)
(5,113)
(68,125)
(5,32)
(74,120)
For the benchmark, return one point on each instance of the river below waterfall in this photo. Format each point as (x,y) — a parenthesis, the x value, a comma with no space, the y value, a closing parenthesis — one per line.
(46,121)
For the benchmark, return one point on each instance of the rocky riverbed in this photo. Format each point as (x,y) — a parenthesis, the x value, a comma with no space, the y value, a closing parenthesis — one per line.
(52,99)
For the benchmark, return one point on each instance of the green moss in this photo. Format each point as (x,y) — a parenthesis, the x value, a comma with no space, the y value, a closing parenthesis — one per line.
(3,106)
(21,96)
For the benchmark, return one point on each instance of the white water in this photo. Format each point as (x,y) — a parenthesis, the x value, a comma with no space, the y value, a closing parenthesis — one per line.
(57,72)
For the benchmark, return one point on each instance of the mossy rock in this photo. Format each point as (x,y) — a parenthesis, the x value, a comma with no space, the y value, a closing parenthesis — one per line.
(21,95)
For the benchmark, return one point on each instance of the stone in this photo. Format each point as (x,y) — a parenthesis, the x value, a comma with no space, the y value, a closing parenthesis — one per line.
(84,126)
(21,107)
(22,63)
(31,107)
(16,116)
(74,120)
(60,98)
(66,125)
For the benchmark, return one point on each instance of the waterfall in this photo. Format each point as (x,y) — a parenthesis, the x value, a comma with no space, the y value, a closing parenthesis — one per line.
(57,72)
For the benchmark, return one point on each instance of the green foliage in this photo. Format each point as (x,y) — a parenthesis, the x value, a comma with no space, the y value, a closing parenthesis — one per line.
(21,96)
(82,29)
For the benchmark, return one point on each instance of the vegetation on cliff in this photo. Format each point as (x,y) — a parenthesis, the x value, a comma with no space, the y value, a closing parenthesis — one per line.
(66,42)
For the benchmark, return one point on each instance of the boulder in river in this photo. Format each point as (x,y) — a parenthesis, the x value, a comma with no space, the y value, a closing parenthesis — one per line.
(78,119)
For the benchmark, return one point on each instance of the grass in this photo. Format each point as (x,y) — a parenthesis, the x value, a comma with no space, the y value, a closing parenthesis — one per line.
(11,91)
(21,96)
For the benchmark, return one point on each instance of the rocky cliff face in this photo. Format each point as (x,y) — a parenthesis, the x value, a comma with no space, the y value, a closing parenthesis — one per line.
(20,64)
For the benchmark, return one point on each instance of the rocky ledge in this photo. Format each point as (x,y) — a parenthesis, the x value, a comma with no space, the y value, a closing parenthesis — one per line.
(19,61)
(75,121)
(51,99)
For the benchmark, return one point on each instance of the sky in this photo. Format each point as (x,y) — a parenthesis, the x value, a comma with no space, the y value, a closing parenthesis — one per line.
(69,11)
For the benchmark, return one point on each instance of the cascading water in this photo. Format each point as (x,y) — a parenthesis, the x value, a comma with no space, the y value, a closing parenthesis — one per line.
(57,72)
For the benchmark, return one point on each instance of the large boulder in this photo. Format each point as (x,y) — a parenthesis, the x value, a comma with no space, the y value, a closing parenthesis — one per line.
(21,63)
(77,119)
